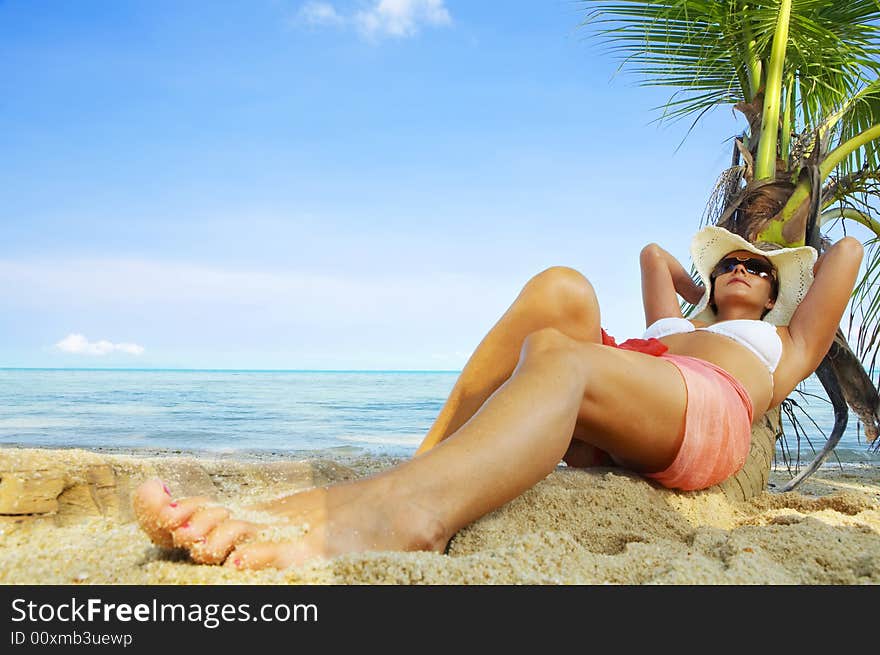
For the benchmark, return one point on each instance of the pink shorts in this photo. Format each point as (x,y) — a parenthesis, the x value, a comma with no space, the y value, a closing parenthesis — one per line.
(718,421)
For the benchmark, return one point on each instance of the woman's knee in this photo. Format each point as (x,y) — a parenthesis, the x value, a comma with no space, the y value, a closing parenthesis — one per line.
(550,346)
(561,294)
(549,341)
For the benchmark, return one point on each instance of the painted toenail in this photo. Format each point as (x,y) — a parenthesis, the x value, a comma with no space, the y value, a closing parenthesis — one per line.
(237,562)
(172,504)
(184,525)
(166,489)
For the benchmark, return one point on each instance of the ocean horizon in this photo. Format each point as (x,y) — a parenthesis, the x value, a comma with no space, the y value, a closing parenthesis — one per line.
(282,412)
(224,370)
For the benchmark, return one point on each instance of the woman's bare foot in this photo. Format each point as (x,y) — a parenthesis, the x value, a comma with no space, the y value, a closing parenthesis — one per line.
(318,523)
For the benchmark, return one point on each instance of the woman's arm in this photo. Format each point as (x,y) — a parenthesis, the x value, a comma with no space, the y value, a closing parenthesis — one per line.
(815,321)
(663,277)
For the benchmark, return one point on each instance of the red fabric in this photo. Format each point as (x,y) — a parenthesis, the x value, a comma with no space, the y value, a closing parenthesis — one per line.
(650,346)
(607,339)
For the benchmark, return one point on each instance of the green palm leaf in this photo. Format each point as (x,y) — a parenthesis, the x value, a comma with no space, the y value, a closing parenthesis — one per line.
(706,49)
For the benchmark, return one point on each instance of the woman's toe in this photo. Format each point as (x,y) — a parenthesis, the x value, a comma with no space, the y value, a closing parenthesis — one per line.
(150,502)
(159,514)
(214,548)
(255,556)
(271,554)
(198,525)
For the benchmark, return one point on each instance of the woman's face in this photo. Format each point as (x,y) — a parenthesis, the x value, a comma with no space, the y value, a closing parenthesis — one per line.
(746,279)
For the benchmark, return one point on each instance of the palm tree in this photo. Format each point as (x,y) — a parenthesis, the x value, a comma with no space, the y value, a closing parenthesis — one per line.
(805,74)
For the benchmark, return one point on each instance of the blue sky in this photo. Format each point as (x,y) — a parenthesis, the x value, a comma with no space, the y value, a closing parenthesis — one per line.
(349,184)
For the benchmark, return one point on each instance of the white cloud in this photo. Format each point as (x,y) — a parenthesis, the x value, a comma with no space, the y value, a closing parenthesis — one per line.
(77,344)
(319,13)
(382,18)
(401,18)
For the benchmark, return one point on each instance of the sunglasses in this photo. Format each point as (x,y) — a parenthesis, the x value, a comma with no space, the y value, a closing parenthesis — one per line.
(753,266)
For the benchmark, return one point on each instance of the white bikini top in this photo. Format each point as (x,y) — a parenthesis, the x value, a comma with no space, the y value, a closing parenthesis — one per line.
(758,336)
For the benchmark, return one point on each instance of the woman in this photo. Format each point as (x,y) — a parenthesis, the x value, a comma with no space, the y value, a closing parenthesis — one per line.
(547,383)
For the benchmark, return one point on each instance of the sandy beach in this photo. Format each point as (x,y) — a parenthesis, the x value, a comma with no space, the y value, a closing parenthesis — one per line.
(66,518)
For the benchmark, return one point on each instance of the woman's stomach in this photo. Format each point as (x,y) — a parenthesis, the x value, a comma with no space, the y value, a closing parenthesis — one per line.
(733,357)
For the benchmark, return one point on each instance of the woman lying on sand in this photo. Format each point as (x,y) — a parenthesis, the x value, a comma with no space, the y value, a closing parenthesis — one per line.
(547,383)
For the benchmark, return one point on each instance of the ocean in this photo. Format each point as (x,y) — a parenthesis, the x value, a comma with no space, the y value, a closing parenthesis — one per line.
(280,413)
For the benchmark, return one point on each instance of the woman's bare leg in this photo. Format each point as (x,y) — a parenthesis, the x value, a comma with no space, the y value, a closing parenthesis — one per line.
(558,297)
(515,439)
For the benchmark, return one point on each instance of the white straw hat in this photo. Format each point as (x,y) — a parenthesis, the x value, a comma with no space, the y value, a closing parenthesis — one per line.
(794,270)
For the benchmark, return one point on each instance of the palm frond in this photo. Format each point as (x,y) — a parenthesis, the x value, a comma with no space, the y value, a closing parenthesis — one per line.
(698,47)
(859,114)
(695,46)
(864,312)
